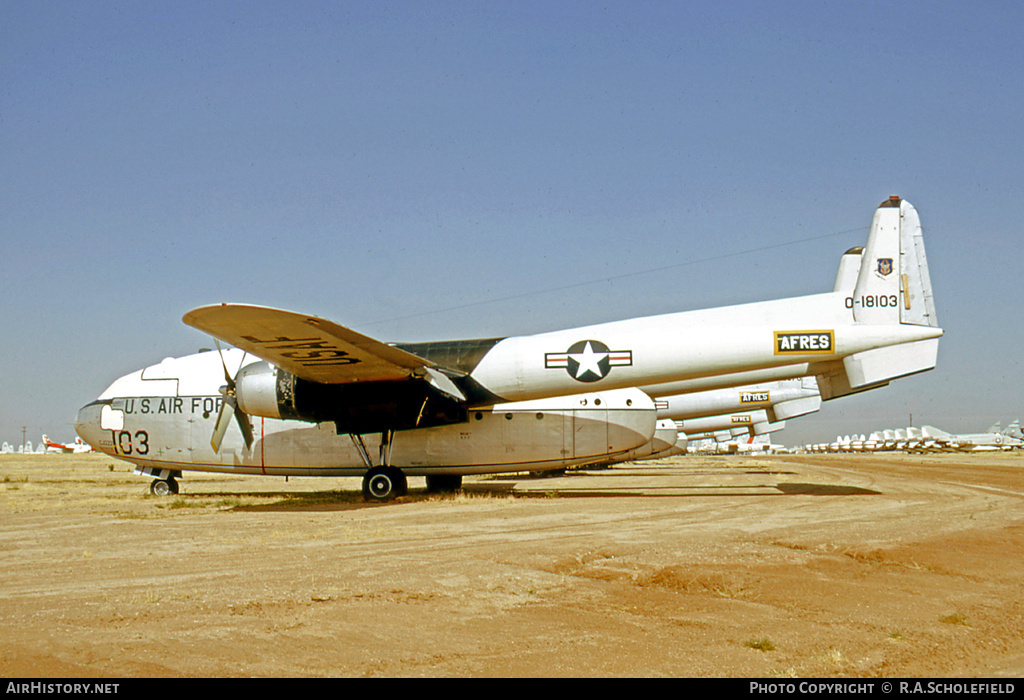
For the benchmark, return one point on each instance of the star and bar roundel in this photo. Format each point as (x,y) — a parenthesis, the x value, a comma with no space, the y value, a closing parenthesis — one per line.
(588,360)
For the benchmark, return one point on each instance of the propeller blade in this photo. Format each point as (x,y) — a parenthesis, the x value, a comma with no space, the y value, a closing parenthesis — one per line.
(244,426)
(227,375)
(227,407)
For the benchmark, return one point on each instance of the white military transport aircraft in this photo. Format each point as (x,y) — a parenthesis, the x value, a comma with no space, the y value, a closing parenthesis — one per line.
(303,396)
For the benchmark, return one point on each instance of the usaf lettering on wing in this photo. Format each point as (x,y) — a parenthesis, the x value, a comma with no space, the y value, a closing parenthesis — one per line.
(309,352)
(804,342)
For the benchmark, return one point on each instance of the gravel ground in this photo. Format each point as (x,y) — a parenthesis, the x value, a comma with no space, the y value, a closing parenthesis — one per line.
(788,566)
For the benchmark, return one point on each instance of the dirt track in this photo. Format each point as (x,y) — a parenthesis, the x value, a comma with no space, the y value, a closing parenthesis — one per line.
(805,566)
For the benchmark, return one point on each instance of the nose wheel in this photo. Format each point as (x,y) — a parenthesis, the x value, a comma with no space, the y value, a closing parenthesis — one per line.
(164,487)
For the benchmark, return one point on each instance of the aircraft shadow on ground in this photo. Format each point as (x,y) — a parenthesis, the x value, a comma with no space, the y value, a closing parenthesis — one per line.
(748,491)
(284,501)
(326,501)
(791,489)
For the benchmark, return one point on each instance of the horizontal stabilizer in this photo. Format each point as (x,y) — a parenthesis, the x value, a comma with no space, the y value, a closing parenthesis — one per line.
(797,407)
(765,428)
(892,362)
(876,368)
(835,384)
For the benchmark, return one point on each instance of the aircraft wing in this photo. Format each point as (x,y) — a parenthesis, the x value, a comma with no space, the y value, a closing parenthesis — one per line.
(309,347)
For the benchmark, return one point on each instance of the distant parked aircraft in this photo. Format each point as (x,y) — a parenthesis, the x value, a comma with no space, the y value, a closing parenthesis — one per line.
(79,445)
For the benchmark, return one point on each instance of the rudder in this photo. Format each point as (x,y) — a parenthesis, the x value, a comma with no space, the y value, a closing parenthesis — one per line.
(918,304)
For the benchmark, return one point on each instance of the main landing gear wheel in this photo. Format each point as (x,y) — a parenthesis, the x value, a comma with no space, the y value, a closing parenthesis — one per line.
(444,483)
(384,484)
(164,487)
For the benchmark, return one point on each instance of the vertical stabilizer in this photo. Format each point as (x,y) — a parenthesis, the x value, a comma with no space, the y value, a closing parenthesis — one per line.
(876,298)
(893,284)
(849,269)
(892,287)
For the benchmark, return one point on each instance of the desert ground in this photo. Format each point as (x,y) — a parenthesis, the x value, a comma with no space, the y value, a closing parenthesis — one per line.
(784,566)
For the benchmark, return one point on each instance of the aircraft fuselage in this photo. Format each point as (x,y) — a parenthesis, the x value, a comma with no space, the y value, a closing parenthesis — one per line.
(162,418)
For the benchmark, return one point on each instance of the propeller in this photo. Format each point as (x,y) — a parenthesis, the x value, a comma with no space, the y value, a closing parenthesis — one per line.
(229,407)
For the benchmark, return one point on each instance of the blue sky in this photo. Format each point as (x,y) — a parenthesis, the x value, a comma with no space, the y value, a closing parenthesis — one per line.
(430,170)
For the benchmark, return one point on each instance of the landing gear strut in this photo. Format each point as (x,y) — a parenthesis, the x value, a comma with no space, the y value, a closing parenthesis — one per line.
(382,482)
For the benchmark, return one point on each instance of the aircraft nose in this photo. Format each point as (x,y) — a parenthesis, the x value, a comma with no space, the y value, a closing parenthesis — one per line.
(87,423)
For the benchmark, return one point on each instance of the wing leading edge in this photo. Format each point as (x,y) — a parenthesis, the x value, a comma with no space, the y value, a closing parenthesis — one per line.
(309,347)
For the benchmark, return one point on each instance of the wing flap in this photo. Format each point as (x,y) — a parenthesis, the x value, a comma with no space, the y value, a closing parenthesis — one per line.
(307,346)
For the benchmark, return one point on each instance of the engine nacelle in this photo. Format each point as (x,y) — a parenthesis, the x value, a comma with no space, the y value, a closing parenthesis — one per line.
(256,390)
(264,390)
